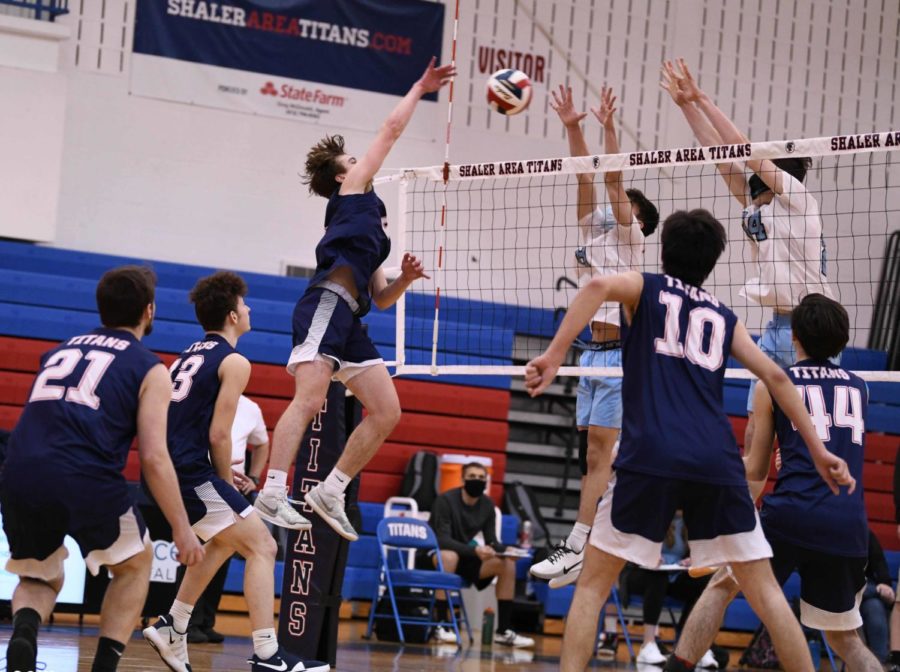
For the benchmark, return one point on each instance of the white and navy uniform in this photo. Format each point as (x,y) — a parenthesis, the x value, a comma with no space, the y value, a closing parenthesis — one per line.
(609,248)
(211,503)
(677,449)
(326,320)
(822,536)
(787,246)
(63,469)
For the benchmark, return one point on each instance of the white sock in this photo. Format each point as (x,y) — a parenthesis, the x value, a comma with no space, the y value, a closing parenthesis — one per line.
(610,624)
(578,537)
(276,482)
(265,643)
(181,615)
(336,482)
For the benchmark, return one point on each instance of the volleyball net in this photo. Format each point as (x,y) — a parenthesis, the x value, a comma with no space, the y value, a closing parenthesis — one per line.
(502,243)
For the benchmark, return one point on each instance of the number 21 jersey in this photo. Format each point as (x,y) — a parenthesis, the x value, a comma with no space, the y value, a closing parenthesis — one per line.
(674,355)
(81,415)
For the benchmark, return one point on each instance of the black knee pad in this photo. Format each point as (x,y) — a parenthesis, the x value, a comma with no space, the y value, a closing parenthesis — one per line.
(583,451)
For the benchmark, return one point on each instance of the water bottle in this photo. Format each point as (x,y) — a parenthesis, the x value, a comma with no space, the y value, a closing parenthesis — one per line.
(487,627)
(525,541)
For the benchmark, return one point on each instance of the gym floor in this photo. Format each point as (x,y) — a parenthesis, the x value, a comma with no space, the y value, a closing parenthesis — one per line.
(65,647)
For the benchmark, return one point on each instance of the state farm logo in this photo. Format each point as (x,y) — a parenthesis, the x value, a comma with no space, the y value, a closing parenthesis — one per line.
(269,90)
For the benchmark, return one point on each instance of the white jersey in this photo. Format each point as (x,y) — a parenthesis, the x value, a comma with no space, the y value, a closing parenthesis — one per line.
(788,248)
(249,427)
(608,248)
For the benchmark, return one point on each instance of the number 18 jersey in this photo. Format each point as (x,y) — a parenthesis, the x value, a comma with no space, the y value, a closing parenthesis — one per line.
(81,414)
(674,355)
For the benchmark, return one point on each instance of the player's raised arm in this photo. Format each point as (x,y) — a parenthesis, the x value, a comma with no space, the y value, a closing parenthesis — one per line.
(684,92)
(624,288)
(831,468)
(771,174)
(615,188)
(156,465)
(234,373)
(571,120)
(361,173)
(384,293)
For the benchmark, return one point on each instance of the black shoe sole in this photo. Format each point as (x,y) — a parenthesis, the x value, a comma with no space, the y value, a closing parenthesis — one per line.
(21,655)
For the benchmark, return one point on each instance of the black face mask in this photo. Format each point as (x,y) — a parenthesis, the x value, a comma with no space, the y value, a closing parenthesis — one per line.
(474,487)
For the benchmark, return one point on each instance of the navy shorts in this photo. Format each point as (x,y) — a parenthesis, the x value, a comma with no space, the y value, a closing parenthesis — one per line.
(96,511)
(831,586)
(211,504)
(636,510)
(324,326)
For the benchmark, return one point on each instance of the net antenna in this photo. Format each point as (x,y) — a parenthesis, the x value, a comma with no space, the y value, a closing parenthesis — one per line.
(500,235)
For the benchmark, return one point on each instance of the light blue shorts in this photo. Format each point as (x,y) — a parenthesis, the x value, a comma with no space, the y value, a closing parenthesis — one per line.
(776,343)
(599,398)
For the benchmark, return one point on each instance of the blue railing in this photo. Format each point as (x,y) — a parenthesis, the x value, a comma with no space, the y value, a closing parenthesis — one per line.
(44,10)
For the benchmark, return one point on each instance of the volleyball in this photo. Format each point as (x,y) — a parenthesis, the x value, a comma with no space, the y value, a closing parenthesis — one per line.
(508,91)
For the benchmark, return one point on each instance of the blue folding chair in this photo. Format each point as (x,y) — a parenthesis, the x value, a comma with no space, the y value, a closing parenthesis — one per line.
(620,615)
(398,540)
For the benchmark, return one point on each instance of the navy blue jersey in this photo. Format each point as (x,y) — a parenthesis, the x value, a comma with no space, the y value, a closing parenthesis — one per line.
(802,509)
(195,389)
(81,414)
(674,354)
(355,237)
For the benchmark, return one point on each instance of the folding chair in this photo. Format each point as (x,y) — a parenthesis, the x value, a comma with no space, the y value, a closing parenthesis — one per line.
(398,539)
(614,598)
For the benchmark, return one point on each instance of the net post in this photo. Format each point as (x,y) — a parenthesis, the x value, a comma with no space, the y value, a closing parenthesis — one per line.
(400,335)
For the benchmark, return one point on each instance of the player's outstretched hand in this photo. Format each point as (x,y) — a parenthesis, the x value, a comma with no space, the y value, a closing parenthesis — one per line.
(607,108)
(190,551)
(669,82)
(539,373)
(834,472)
(686,82)
(563,106)
(412,269)
(435,77)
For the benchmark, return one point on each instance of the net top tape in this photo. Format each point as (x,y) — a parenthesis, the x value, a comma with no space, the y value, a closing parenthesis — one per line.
(833,145)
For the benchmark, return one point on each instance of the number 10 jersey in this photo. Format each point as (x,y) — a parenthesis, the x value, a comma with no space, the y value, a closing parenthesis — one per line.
(674,355)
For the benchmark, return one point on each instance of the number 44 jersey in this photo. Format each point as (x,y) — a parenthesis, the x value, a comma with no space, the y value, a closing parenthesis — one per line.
(674,355)
(802,509)
(81,414)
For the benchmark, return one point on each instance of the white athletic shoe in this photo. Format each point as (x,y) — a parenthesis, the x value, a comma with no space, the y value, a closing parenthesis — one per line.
(510,638)
(651,654)
(562,561)
(331,509)
(444,636)
(708,662)
(276,509)
(565,579)
(170,644)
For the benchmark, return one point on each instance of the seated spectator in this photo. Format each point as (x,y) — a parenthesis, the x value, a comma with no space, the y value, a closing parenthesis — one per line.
(654,586)
(877,600)
(457,518)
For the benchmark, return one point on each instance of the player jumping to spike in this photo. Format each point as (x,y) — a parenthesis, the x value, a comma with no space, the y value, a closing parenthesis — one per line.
(329,340)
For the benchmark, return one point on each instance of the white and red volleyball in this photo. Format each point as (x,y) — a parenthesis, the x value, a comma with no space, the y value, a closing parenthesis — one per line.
(508,91)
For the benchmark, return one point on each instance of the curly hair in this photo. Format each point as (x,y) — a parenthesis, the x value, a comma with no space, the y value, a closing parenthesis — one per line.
(647,212)
(215,296)
(322,166)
